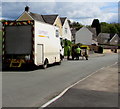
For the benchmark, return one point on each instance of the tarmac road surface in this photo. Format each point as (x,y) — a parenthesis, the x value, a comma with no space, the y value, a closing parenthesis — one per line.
(98,90)
(34,88)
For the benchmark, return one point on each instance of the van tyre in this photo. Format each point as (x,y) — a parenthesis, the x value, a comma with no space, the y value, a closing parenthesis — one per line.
(59,63)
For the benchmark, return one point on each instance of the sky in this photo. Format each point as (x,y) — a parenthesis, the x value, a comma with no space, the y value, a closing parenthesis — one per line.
(83,12)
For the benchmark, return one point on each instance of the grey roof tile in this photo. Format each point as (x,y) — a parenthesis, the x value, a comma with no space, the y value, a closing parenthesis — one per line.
(63,20)
(49,18)
(93,30)
(37,17)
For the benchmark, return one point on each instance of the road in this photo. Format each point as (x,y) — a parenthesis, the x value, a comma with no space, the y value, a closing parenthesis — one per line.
(100,89)
(34,88)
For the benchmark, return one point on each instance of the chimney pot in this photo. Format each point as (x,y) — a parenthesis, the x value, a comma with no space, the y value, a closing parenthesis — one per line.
(27,8)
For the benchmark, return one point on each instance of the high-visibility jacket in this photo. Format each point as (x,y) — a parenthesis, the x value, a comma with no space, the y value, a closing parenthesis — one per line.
(78,50)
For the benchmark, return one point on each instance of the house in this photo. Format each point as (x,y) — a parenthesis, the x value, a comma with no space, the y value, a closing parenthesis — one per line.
(114,39)
(50,19)
(103,38)
(27,15)
(86,35)
(73,31)
(108,38)
(66,32)
(94,35)
(53,20)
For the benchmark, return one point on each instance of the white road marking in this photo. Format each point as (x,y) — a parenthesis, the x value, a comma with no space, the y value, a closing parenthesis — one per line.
(112,64)
(63,92)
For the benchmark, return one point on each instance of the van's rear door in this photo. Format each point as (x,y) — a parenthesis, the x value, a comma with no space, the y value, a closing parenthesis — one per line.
(18,39)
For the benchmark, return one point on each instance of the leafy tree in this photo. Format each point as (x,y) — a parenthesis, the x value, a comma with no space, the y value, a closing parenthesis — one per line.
(76,25)
(96,24)
(104,27)
(69,22)
(3,20)
(110,28)
(117,26)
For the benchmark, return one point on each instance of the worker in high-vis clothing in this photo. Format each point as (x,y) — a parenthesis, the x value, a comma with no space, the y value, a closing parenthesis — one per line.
(78,52)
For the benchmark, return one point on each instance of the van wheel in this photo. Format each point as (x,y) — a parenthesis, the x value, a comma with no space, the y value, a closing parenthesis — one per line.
(59,63)
(45,65)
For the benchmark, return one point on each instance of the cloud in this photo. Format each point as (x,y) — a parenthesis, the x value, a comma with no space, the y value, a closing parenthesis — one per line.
(84,12)
(13,10)
(60,0)
(87,12)
(28,0)
(42,8)
(109,17)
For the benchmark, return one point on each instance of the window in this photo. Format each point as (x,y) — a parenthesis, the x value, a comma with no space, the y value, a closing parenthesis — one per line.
(66,30)
(105,41)
(116,41)
(57,33)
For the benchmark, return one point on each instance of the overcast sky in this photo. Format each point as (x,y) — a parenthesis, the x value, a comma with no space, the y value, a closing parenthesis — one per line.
(83,12)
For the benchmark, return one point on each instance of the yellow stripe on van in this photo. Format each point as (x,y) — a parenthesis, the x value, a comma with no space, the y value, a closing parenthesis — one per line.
(42,36)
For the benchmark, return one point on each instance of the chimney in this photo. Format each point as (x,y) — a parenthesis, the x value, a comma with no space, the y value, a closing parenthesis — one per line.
(27,9)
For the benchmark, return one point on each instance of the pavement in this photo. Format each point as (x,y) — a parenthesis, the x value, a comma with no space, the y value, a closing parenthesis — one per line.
(98,90)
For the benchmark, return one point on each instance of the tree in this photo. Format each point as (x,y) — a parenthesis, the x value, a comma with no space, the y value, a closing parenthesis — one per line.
(104,27)
(3,20)
(76,25)
(117,26)
(69,22)
(110,28)
(96,24)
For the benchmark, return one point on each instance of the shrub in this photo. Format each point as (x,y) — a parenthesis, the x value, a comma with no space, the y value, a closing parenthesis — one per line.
(66,43)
